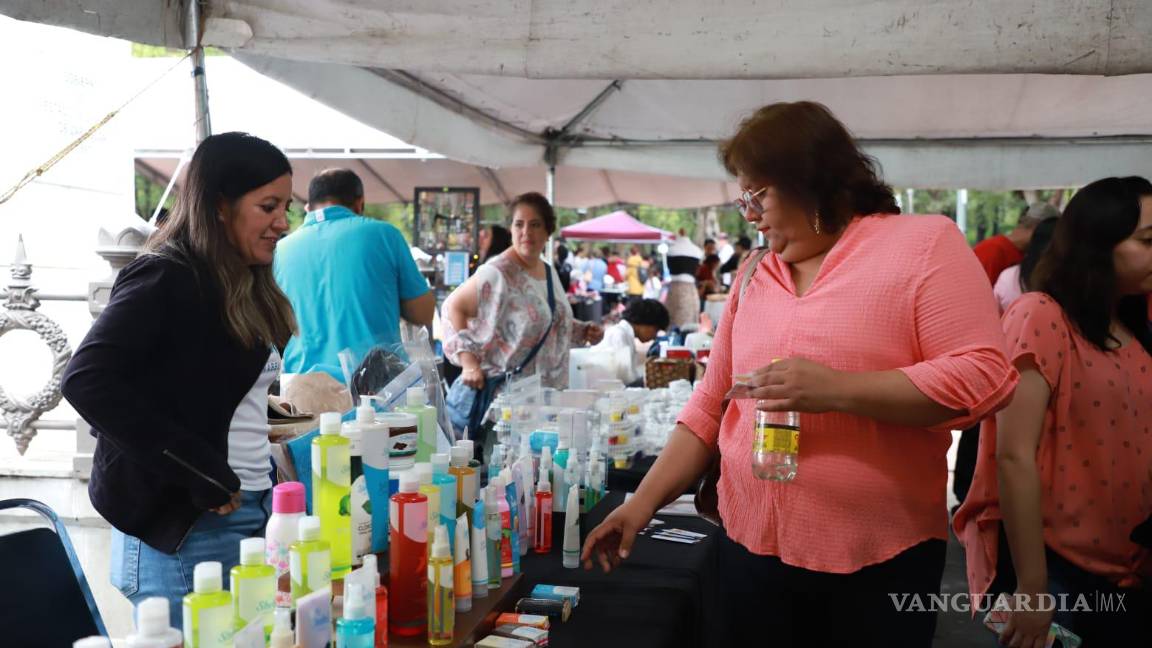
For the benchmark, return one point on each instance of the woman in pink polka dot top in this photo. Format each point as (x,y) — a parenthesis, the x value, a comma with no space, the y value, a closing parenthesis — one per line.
(1064,473)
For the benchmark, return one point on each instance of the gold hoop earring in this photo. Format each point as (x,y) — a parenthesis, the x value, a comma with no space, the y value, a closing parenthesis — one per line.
(815,223)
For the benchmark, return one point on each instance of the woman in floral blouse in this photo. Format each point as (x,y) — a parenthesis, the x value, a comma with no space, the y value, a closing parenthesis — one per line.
(494,319)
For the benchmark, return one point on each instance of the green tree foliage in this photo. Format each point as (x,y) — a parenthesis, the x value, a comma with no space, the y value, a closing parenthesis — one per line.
(989,212)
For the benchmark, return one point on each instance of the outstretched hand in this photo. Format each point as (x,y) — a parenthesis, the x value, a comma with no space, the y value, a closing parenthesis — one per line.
(611,541)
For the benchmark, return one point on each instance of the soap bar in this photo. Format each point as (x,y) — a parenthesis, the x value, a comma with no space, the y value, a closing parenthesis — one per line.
(532,620)
(495,641)
(557,593)
(538,637)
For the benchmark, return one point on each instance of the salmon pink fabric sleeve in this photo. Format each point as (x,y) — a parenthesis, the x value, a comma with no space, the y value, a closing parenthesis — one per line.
(1035,328)
(703,411)
(958,333)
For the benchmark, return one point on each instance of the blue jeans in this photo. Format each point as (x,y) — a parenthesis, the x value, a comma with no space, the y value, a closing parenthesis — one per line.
(141,572)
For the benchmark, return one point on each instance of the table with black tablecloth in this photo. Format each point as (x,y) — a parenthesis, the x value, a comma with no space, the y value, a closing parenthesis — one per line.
(664,595)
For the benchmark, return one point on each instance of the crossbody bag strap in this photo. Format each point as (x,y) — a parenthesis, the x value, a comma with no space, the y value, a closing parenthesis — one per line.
(551,321)
(757,257)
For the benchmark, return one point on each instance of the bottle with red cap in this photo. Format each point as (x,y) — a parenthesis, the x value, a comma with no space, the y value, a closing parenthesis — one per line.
(287,509)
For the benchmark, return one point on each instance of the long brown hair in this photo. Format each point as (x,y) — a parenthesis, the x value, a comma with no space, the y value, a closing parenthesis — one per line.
(227,166)
(803,151)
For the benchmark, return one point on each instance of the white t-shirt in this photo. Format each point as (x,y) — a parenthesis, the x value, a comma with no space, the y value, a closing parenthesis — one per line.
(620,339)
(249,451)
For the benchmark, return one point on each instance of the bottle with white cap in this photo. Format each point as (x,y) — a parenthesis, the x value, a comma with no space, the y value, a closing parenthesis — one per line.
(448,489)
(310,558)
(494,532)
(355,628)
(152,629)
(253,587)
(282,635)
(559,464)
(441,597)
(331,491)
(543,527)
(408,560)
(465,480)
(208,609)
(280,533)
(474,464)
(92,642)
(426,426)
(429,489)
(361,433)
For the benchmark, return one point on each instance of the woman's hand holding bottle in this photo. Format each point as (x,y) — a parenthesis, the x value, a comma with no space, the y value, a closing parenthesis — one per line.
(793,384)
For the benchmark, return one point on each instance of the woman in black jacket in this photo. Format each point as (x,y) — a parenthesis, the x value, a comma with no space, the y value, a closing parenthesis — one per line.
(174,375)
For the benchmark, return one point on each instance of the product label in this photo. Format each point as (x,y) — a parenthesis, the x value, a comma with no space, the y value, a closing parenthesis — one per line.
(445,574)
(506,540)
(416,521)
(361,519)
(257,598)
(317,467)
(277,554)
(771,437)
(433,513)
(448,513)
(463,575)
(339,468)
(402,444)
(212,628)
(319,570)
(297,568)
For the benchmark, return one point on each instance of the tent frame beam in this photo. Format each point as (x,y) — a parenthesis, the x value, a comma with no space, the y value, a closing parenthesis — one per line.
(441,98)
(494,180)
(379,178)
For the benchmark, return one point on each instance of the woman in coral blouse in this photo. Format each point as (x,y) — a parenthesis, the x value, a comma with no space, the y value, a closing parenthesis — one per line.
(887,337)
(1066,469)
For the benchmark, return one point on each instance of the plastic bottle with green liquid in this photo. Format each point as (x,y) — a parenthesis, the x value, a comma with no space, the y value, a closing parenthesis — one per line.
(253,587)
(208,609)
(429,489)
(426,425)
(332,491)
(309,559)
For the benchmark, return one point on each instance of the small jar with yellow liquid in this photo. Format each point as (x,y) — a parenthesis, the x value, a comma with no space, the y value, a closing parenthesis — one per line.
(776,445)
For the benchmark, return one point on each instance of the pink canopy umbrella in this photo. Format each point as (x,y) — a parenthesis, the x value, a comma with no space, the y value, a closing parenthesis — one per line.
(617,227)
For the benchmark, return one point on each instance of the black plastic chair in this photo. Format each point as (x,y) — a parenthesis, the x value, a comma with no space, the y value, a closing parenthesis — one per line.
(44,597)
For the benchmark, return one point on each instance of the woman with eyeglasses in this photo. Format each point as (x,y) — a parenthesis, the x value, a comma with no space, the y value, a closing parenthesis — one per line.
(881,331)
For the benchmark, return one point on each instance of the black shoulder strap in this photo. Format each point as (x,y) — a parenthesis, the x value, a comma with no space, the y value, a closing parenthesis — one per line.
(551,320)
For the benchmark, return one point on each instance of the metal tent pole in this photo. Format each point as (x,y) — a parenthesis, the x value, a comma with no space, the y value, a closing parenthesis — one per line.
(192,33)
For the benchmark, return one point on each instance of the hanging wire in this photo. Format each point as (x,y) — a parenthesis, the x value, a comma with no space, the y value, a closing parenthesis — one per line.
(52,161)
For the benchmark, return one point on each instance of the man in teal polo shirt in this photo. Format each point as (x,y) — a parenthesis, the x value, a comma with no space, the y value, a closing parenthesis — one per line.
(350,279)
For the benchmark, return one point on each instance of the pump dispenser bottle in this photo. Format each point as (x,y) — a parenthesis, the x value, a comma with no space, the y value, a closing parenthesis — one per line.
(331,491)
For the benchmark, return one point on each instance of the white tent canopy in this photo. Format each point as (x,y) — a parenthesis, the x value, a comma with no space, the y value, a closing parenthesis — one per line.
(315,137)
(1015,94)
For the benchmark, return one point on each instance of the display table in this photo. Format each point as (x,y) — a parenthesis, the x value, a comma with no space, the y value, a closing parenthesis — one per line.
(663,595)
(474,625)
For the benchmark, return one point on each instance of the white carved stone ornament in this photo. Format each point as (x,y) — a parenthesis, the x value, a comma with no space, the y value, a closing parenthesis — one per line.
(19,314)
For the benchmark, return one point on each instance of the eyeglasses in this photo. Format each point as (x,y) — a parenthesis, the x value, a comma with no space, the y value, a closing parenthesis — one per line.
(747,201)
